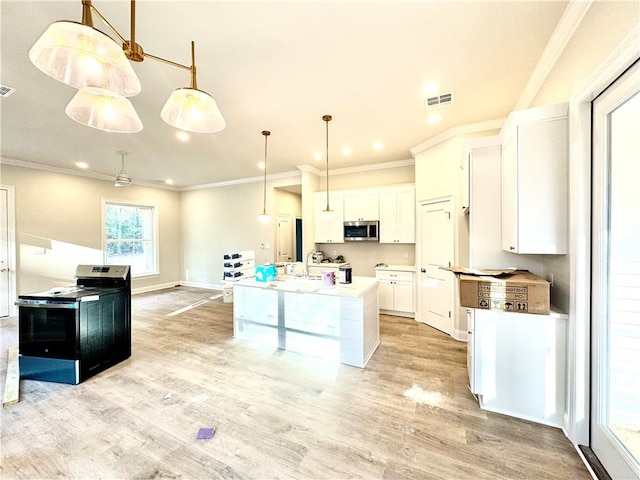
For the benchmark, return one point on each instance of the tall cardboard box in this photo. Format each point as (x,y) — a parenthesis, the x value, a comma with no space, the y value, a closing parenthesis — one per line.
(520,291)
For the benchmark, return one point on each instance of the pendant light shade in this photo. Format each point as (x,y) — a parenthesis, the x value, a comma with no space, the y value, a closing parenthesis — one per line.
(193,110)
(123,179)
(264,217)
(327,212)
(80,56)
(104,110)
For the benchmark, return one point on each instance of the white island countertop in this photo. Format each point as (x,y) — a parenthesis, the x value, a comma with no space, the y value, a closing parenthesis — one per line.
(287,283)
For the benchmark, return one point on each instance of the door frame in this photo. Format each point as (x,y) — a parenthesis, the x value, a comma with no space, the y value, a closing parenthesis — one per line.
(11,246)
(577,426)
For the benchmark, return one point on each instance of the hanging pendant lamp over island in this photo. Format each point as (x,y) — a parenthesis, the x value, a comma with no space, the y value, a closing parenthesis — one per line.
(327,212)
(79,55)
(264,217)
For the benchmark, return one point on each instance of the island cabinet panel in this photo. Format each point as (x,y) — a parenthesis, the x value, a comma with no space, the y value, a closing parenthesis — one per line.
(338,323)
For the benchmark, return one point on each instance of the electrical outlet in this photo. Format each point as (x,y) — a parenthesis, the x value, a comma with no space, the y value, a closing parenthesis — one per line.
(550,279)
(406,254)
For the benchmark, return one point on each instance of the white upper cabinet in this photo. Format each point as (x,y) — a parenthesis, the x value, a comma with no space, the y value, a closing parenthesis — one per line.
(534,181)
(361,206)
(397,215)
(328,229)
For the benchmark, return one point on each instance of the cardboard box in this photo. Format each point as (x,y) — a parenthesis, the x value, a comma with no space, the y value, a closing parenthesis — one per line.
(518,291)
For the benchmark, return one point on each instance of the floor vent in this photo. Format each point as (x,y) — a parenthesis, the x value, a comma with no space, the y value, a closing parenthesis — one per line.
(438,100)
(6,91)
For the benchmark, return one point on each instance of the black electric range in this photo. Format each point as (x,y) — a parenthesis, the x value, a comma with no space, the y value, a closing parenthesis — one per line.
(68,334)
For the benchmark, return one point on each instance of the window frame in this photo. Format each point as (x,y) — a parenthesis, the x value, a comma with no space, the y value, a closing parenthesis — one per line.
(155,242)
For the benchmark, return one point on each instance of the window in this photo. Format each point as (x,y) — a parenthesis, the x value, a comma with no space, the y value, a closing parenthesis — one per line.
(130,237)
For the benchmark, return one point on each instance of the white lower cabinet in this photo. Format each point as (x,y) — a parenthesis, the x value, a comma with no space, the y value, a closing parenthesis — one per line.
(396,290)
(517,364)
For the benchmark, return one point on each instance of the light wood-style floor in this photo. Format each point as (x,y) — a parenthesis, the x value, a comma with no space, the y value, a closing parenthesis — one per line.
(407,415)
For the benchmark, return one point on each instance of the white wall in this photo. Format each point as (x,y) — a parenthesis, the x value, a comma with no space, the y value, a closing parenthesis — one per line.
(59,225)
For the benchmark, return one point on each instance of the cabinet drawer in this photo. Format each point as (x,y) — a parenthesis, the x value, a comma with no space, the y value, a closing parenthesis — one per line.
(394,275)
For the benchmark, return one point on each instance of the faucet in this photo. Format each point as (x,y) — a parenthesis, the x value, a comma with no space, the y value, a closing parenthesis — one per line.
(305,273)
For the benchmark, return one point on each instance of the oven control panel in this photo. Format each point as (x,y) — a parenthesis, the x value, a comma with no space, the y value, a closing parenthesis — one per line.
(102,271)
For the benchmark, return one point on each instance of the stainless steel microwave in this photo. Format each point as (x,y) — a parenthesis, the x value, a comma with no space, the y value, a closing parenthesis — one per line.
(367,231)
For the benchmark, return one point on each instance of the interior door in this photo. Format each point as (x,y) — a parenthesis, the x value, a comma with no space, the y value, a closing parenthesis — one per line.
(435,286)
(615,289)
(5,286)
(284,238)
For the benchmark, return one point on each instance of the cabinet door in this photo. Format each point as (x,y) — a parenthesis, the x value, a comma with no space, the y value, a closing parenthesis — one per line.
(361,206)
(385,294)
(388,217)
(403,297)
(406,216)
(328,229)
(509,197)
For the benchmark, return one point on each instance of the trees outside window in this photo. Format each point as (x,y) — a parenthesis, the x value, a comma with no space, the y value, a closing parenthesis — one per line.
(130,237)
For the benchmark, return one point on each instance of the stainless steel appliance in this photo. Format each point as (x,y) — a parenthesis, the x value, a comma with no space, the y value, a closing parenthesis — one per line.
(69,334)
(367,231)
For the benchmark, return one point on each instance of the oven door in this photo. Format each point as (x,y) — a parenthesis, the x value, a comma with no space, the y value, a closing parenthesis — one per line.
(49,330)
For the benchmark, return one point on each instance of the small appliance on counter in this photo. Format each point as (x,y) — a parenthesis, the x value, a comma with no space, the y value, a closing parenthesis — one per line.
(344,273)
(317,257)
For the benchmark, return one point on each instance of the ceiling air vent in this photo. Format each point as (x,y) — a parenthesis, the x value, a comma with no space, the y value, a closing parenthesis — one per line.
(439,100)
(6,91)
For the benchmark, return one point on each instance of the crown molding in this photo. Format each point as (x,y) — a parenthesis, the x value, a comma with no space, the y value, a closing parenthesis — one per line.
(495,124)
(567,26)
(81,173)
(242,181)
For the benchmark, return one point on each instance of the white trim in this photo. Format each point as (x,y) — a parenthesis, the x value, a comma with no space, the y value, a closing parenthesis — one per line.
(11,246)
(241,181)
(207,286)
(156,287)
(569,22)
(495,124)
(578,349)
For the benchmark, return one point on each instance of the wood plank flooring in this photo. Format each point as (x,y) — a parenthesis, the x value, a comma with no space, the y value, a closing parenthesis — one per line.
(408,415)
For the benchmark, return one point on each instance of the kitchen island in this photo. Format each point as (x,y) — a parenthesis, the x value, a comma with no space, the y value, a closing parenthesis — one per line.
(340,322)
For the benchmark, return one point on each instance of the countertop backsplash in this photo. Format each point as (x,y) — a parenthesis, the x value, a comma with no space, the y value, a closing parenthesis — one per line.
(364,256)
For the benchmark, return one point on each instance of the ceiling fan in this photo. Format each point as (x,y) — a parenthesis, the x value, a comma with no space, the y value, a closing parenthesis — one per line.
(122,179)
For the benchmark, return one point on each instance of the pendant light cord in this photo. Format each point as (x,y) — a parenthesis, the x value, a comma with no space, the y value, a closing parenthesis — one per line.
(266,133)
(327,119)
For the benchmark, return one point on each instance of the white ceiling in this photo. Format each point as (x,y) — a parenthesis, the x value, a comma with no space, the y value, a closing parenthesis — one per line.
(278,66)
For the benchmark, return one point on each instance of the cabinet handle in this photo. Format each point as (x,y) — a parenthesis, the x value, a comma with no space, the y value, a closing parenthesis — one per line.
(423,270)
(512,248)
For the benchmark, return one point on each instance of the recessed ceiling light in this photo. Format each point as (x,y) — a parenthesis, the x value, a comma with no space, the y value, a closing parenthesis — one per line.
(261,165)
(169,181)
(346,151)
(430,88)
(182,135)
(378,146)
(82,165)
(434,118)
(318,156)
